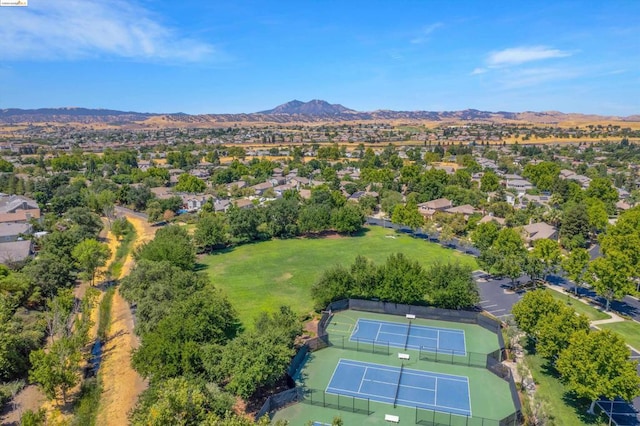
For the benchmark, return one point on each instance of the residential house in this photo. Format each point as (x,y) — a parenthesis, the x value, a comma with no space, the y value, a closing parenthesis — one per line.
(12,231)
(520,185)
(280,189)
(221,205)
(429,208)
(162,192)
(466,210)
(243,203)
(15,252)
(490,218)
(539,231)
(194,202)
(261,187)
(18,209)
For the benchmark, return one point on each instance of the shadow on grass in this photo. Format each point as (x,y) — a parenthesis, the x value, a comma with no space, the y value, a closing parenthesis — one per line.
(579,405)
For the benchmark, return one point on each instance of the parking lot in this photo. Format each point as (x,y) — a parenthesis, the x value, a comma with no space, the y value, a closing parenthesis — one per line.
(496,295)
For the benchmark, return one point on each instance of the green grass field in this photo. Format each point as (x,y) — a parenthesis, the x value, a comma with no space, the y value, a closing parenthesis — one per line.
(262,276)
(582,308)
(560,405)
(629,330)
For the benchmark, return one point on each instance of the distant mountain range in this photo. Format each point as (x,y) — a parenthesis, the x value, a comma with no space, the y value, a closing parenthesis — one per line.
(290,112)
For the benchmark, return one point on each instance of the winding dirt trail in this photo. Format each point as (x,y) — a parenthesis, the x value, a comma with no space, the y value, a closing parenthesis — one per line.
(121,384)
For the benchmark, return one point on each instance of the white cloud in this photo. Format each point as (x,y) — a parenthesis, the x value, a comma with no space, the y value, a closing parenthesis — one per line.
(477,71)
(536,76)
(520,55)
(425,32)
(73,29)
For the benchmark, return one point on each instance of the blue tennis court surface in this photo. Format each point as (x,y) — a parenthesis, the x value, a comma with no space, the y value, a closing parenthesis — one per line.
(400,335)
(410,388)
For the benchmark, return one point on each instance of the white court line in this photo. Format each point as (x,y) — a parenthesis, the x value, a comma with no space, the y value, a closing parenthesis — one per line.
(378,333)
(362,379)
(339,391)
(402,386)
(419,373)
(435,396)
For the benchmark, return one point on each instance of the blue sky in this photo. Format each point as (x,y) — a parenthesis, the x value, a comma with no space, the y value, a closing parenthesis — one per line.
(245,56)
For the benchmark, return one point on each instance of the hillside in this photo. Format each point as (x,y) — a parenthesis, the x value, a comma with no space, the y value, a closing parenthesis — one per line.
(315,111)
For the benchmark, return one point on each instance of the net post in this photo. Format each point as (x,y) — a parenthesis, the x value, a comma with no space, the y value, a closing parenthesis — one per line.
(353,405)
(357,345)
(324,401)
(388,349)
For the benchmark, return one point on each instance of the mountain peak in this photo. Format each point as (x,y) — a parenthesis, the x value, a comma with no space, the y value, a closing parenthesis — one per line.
(315,107)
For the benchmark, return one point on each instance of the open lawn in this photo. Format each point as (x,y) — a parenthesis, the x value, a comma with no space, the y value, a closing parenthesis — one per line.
(582,308)
(628,329)
(262,276)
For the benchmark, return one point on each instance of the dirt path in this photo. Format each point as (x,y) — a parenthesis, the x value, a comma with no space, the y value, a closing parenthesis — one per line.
(31,397)
(120,382)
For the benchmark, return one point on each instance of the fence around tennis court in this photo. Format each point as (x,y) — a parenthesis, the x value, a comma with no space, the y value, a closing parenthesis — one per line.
(491,361)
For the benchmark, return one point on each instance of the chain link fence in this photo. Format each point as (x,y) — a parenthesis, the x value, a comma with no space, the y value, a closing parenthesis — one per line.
(492,362)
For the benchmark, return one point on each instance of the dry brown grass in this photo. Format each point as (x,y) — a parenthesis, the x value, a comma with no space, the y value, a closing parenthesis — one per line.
(121,384)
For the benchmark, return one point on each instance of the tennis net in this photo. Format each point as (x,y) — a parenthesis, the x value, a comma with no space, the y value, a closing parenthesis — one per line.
(395,398)
(406,340)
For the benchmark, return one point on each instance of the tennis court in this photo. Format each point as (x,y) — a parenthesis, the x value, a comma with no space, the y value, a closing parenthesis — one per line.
(401,386)
(409,336)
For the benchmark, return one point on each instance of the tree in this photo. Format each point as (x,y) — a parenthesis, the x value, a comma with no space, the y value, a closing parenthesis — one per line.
(597,213)
(532,308)
(191,184)
(601,188)
(575,265)
(533,267)
(348,218)
(402,280)
(314,218)
(244,223)
(451,286)
(335,283)
(171,243)
(282,218)
(548,252)
(154,287)
(489,182)
(507,253)
(91,255)
(259,358)
(484,235)
(56,371)
(121,227)
(555,331)
(408,215)
(181,401)
(211,231)
(575,224)
(154,211)
(174,347)
(609,276)
(596,364)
